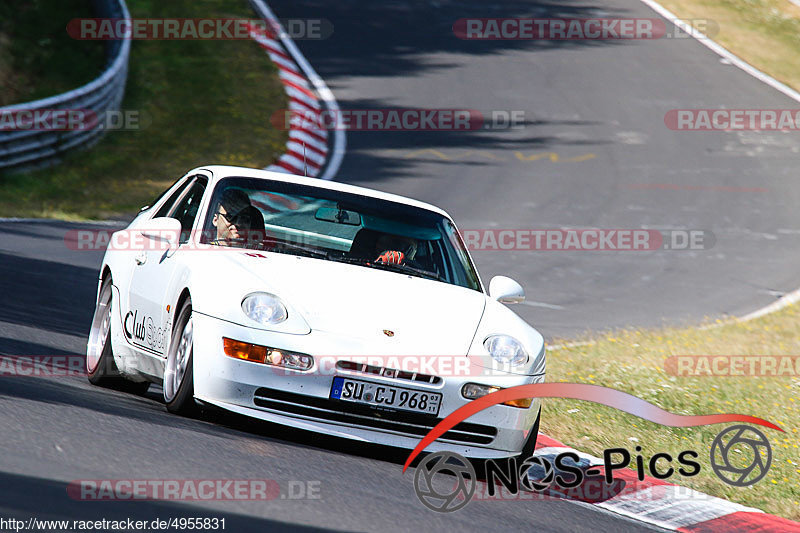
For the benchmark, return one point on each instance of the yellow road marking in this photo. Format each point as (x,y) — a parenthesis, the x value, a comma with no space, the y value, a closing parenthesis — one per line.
(535,157)
(437,153)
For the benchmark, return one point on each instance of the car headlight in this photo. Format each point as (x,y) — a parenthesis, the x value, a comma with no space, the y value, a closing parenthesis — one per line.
(264,308)
(506,350)
(266,355)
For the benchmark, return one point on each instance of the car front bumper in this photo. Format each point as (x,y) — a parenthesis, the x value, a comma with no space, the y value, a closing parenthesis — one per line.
(302,399)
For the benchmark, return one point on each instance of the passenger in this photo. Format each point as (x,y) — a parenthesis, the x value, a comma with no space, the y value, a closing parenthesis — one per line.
(395,250)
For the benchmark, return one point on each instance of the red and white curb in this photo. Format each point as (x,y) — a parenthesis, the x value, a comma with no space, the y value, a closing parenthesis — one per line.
(671,506)
(308,149)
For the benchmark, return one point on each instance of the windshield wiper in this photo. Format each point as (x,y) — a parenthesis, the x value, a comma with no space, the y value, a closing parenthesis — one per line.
(289,247)
(405,269)
(349,260)
(402,269)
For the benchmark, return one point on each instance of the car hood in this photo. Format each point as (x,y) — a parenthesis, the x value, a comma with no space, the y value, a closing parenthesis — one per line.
(420,316)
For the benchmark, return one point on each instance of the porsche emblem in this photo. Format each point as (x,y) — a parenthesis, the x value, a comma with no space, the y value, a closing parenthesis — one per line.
(388,333)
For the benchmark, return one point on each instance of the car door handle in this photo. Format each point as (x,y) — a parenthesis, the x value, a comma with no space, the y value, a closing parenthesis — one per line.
(141,258)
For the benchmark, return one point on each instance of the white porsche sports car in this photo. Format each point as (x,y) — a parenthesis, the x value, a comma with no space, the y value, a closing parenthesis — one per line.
(317,305)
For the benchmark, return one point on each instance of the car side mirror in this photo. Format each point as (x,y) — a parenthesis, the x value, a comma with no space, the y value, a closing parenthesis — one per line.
(163,229)
(505,290)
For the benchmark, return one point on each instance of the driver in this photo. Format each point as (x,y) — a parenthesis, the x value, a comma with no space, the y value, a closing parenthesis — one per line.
(395,250)
(237,220)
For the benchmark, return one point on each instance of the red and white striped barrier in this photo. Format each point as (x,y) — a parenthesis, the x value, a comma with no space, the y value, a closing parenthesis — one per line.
(674,507)
(308,149)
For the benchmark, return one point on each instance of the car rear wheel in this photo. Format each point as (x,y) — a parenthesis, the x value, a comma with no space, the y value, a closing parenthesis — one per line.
(179,373)
(100,366)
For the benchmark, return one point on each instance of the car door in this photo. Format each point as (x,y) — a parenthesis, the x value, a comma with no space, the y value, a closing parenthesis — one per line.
(147,323)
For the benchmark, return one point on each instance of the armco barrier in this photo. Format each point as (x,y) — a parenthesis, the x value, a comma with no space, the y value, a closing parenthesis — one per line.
(35,148)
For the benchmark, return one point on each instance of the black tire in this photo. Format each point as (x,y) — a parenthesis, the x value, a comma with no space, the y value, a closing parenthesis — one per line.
(179,370)
(100,366)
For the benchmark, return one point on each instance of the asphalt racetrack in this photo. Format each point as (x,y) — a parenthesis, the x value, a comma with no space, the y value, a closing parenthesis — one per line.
(596,109)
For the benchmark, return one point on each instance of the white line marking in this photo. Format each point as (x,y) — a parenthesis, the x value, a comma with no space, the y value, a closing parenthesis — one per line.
(564,345)
(541,304)
(734,60)
(784,301)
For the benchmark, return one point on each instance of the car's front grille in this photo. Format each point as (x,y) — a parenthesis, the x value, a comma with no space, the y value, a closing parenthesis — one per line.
(409,424)
(388,372)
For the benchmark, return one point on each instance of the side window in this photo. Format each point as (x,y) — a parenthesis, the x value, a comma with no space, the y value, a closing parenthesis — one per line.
(463,272)
(187,208)
(162,212)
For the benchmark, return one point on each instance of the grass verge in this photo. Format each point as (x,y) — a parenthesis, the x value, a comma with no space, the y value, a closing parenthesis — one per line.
(202,102)
(37,57)
(634,361)
(765,33)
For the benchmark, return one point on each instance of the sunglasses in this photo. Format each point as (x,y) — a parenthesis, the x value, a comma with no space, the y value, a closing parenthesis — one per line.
(235,220)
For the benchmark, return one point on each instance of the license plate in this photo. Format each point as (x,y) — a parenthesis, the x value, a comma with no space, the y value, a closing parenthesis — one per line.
(382,395)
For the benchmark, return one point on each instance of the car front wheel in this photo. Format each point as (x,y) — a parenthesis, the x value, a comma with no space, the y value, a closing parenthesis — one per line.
(178,373)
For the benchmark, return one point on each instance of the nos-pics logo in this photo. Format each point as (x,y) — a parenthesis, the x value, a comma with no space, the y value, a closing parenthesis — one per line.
(446,481)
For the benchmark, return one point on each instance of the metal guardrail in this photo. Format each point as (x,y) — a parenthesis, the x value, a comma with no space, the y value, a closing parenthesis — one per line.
(21,149)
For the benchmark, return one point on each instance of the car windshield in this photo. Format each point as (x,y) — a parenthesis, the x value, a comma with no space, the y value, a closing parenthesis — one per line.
(337,226)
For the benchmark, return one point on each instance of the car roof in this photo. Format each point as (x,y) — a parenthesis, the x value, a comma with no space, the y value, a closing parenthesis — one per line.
(219,172)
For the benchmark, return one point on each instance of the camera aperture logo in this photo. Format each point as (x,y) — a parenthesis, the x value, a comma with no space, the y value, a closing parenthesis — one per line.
(452,474)
(750,460)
